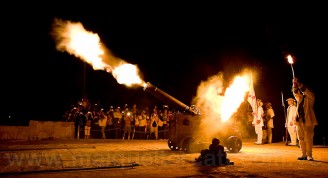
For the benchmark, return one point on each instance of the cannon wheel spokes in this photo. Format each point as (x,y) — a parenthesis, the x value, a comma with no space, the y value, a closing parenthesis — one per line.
(234,144)
(173,146)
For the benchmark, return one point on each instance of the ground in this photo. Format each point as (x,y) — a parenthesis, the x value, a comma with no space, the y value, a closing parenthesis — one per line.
(150,158)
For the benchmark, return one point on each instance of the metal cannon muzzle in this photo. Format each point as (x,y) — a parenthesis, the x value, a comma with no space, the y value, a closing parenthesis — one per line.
(166,98)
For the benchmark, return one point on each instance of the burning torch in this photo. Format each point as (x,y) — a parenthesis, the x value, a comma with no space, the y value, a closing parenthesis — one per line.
(290,60)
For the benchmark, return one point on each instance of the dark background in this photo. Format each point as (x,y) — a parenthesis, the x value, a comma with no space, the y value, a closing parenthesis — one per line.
(175,46)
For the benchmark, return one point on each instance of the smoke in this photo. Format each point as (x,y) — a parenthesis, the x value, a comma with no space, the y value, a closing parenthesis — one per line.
(210,94)
(209,98)
(219,104)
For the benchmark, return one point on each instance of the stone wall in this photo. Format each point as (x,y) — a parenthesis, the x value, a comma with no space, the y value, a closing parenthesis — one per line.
(38,130)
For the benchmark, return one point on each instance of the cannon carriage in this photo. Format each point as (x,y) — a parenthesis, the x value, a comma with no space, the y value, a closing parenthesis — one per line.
(184,127)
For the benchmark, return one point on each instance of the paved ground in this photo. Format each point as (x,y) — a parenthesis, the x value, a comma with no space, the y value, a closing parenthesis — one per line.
(149,158)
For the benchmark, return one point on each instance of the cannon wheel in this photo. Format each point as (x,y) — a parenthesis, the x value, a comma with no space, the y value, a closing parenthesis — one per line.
(234,144)
(172,145)
(186,144)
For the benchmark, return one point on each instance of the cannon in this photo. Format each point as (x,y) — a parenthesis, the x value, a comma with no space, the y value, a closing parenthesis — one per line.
(184,127)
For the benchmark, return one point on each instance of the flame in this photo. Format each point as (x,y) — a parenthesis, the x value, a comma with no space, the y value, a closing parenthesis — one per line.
(72,37)
(211,98)
(290,59)
(233,97)
(127,74)
(219,106)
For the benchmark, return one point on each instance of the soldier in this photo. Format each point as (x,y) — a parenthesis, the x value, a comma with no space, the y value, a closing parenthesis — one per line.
(291,121)
(258,122)
(306,119)
(269,115)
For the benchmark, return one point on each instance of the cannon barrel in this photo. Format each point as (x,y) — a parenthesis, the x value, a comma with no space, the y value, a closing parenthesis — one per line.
(168,99)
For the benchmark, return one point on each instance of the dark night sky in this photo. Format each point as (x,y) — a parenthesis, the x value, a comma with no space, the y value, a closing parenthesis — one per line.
(175,47)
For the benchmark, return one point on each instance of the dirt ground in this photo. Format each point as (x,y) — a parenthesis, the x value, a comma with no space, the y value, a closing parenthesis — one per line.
(150,158)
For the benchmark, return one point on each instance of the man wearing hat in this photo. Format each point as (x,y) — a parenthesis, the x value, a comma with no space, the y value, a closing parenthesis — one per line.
(306,119)
(291,121)
(269,115)
(258,122)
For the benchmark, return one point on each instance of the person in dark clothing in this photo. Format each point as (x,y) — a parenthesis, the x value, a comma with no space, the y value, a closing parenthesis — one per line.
(214,156)
(220,156)
(243,118)
(80,121)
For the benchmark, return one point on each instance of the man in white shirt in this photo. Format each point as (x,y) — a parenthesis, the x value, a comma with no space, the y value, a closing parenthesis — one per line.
(258,122)
(291,122)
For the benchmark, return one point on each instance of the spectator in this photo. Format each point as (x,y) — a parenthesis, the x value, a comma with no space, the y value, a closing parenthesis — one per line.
(127,117)
(102,123)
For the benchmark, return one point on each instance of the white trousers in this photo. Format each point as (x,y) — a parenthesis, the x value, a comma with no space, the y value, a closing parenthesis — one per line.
(293,135)
(259,133)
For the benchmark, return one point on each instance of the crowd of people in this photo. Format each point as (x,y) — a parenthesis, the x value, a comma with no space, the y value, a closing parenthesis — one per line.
(93,121)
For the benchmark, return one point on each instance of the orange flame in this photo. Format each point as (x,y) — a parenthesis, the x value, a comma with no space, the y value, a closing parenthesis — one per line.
(290,59)
(73,38)
(126,74)
(214,101)
(233,97)
(219,106)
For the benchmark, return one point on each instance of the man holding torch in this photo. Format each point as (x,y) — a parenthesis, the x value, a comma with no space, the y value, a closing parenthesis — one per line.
(305,119)
(305,116)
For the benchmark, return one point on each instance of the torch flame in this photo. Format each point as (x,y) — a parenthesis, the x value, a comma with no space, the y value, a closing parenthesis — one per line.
(73,38)
(290,59)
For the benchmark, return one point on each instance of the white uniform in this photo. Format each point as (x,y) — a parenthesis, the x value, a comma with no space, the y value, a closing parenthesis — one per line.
(291,125)
(258,123)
